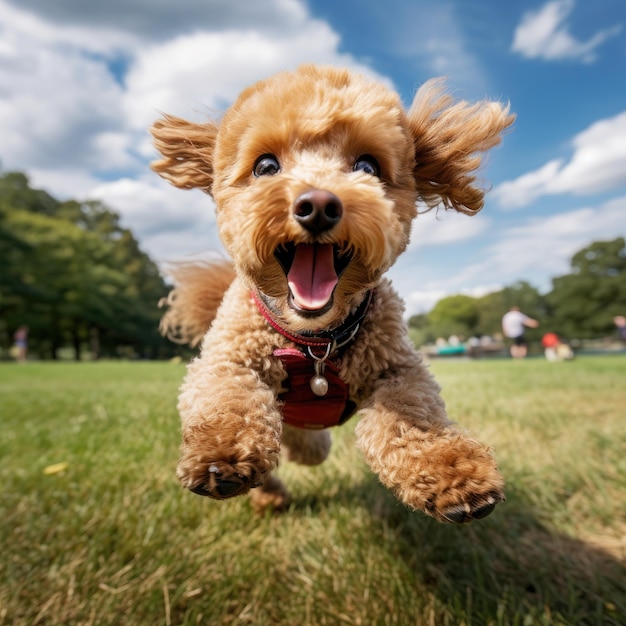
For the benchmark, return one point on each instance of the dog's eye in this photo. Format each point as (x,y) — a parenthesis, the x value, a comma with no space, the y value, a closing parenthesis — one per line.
(266,165)
(368,164)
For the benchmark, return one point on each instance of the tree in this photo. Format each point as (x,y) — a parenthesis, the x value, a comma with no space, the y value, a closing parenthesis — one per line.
(16,193)
(455,315)
(584,302)
(74,275)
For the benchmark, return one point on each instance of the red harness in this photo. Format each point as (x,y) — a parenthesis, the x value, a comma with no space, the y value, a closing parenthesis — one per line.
(316,396)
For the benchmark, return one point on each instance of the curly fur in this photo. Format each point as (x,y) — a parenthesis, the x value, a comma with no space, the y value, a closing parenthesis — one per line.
(192,305)
(317,122)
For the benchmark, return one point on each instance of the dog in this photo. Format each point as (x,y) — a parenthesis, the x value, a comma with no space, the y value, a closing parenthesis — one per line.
(316,175)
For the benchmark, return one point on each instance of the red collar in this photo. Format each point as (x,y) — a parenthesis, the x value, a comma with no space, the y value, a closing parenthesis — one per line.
(325,342)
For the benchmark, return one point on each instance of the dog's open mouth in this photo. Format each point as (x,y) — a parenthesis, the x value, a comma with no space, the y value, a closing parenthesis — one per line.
(312,271)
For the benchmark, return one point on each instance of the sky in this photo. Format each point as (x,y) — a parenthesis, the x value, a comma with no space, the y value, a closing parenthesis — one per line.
(81,81)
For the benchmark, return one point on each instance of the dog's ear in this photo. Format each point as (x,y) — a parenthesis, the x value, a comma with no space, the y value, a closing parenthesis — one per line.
(187,149)
(449,138)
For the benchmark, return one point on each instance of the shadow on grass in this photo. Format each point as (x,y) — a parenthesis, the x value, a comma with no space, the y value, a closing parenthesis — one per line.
(510,568)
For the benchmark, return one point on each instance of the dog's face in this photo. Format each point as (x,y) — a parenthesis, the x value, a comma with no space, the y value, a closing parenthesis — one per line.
(314,190)
(315,181)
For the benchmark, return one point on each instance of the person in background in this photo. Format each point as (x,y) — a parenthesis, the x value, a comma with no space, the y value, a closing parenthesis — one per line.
(514,323)
(620,322)
(20,339)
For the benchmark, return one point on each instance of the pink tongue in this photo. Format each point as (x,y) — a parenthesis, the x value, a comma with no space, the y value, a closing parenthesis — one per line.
(312,276)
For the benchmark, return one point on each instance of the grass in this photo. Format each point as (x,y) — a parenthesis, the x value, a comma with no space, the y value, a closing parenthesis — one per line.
(112,539)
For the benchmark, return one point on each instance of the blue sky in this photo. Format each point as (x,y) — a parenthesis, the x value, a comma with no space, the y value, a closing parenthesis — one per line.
(80,82)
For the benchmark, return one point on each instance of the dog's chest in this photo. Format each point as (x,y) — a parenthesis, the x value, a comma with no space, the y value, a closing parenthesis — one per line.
(302,403)
(314,394)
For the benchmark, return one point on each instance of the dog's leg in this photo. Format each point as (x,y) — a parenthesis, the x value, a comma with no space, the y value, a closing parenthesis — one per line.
(306,447)
(272,495)
(231,428)
(420,455)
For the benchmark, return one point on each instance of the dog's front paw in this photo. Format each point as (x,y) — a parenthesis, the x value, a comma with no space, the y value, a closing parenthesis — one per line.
(478,507)
(457,480)
(218,480)
(218,487)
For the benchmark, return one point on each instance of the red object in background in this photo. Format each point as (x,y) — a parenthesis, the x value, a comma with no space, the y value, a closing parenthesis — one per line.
(550,340)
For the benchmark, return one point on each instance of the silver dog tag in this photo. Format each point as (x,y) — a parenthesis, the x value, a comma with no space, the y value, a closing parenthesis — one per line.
(319,385)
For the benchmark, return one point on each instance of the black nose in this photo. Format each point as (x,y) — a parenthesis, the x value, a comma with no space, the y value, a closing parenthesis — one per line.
(317,210)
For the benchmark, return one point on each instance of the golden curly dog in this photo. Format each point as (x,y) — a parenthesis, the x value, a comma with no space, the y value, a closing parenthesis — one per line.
(315,175)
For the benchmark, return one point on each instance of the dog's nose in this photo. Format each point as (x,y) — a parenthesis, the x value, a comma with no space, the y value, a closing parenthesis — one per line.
(317,210)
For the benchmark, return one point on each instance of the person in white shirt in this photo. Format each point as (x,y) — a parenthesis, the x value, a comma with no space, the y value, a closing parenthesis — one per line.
(514,323)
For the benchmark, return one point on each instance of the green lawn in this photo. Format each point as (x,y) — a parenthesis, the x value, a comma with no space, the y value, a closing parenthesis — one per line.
(112,539)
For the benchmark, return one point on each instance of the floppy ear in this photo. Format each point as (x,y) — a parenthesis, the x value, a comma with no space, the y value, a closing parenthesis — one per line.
(449,137)
(188,151)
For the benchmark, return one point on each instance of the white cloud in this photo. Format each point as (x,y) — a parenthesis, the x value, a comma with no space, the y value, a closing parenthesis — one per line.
(169,222)
(536,251)
(545,245)
(544,34)
(160,20)
(60,106)
(101,38)
(442,227)
(432,233)
(599,160)
(597,165)
(423,301)
(197,75)
(79,87)
(66,105)
(520,192)
(63,182)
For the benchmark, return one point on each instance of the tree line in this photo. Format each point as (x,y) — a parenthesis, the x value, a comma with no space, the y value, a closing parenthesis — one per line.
(79,280)
(75,278)
(581,304)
